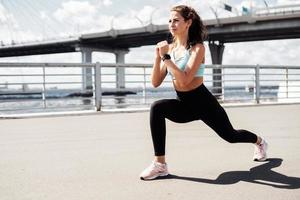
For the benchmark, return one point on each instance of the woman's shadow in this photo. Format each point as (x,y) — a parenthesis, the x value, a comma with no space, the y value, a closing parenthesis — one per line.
(261,174)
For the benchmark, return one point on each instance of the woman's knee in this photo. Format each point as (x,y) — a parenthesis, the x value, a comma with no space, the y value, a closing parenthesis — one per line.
(159,106)
(156,106)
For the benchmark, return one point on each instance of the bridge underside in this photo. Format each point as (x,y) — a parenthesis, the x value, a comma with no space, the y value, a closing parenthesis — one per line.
(37,49)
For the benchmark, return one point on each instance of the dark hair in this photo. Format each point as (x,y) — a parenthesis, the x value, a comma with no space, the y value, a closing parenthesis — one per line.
(197,31)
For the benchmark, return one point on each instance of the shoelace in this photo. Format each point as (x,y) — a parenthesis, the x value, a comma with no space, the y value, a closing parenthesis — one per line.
(157,167)
(153,166)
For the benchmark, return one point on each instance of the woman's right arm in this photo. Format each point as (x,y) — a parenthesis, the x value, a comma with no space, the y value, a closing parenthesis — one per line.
(159,71)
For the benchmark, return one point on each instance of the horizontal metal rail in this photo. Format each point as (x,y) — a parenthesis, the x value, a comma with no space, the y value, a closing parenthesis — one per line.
(40,87)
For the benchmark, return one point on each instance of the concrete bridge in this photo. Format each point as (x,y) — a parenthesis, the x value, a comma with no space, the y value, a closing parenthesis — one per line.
(223,30)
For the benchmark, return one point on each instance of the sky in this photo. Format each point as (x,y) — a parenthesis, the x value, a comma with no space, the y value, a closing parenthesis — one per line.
(23,21)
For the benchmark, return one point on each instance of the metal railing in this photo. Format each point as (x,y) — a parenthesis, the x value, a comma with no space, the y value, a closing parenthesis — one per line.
(40,87)
(278,10)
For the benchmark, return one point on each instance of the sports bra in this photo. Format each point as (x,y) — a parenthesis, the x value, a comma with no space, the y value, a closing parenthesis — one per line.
(182,61)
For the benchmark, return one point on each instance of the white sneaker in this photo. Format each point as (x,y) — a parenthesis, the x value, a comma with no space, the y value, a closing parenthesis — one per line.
(260,151)
(155,170)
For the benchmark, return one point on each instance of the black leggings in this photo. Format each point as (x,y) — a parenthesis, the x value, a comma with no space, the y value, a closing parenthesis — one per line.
(198,104)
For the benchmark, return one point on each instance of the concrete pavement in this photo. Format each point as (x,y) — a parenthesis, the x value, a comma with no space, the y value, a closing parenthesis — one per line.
(100,157)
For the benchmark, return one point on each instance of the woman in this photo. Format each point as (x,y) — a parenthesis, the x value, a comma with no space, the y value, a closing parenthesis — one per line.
(184,60)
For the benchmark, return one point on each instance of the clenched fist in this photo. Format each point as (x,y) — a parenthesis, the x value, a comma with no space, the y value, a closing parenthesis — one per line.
(162,48)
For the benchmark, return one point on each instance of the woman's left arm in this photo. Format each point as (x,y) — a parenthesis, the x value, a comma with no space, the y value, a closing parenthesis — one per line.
(185,77)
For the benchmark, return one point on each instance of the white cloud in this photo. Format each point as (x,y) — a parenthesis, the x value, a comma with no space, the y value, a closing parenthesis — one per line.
(7,18)
(107,2)
(160,15)
(84,16)
(44,15)
(2,14)
(125,21)
(140,17)
(145,13)
(75,10)
(10,30)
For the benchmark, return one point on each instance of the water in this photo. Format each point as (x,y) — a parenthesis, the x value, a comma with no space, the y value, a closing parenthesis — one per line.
(58,100)
(231,95)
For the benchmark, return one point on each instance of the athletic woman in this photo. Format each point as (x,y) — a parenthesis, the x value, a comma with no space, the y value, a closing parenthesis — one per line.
(184,60)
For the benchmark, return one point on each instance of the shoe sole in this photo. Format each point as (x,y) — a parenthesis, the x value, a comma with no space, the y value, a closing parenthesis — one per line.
(260,160)
(154,177)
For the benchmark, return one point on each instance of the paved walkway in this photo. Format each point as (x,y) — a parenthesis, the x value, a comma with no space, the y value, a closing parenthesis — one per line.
(100,157)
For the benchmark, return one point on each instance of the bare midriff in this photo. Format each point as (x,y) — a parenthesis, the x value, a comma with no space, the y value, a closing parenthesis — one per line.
(196,82)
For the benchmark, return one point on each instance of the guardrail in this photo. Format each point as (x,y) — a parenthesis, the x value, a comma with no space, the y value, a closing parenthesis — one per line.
(278,10)
(40,87)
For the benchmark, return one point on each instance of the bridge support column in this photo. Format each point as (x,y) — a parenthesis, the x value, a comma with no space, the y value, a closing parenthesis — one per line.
(216,51)
(120,71)
(87,74)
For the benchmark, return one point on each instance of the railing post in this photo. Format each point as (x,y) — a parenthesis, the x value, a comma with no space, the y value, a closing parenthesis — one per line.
(120,71)
(257,84)
(287,81)
(216,51)
(144,86)
(98,89)
(44,86)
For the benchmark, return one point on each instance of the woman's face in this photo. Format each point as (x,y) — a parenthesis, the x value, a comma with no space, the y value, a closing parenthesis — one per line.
(177,24)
